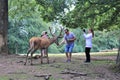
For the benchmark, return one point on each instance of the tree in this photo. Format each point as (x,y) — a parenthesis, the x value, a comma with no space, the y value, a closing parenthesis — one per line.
(53,9)
(3,26)
(99,14)
(23,24)
(118,56)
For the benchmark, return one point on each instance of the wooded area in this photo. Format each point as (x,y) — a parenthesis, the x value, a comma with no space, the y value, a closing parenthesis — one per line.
(102,15)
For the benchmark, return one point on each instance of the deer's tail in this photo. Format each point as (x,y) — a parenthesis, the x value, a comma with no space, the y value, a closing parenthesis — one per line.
(31,44)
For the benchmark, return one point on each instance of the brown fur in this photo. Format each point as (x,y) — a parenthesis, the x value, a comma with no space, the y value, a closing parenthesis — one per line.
(40,43)
(36,43)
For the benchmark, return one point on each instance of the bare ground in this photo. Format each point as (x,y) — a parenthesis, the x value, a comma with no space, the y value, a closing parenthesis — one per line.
(12,68)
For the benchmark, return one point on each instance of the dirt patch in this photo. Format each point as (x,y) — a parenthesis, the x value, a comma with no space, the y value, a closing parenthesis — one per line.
(12,68)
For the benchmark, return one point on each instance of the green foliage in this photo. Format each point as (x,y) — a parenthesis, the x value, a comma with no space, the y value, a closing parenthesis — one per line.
(26,19)
(105,40)
(99,14)
(53,49)
(53,9)
(23,24)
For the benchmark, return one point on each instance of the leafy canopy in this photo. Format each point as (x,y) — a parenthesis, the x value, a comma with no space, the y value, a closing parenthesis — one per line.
(98,14)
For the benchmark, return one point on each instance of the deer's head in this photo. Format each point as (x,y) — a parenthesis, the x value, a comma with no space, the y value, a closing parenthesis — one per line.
(54,38)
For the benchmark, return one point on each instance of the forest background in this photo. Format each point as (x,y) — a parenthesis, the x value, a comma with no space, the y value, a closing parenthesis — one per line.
(28,18)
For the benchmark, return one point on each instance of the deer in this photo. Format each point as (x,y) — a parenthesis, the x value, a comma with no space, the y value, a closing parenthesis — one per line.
(40,43)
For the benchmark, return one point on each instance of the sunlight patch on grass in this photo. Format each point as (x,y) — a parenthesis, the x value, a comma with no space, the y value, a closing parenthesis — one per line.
(4,78)
(81,53)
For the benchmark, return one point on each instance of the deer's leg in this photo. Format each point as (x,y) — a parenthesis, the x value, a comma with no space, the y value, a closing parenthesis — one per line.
(41,55)
(32,52)
(29,50)
(46,51)
(43,52)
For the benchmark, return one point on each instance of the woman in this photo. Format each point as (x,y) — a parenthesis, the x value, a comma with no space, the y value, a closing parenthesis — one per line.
(44,35)
(88,38)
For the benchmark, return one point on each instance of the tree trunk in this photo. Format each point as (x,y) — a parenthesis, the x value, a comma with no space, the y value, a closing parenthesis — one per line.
(118,56)
(3,26)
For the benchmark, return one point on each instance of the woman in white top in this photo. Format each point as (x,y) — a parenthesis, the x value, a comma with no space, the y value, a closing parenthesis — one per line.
(88,38)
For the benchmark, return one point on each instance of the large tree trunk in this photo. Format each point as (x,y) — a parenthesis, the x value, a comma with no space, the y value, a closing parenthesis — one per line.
(3,26)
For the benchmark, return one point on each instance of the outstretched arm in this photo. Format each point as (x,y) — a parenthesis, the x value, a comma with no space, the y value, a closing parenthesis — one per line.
(87,35)
(62,42)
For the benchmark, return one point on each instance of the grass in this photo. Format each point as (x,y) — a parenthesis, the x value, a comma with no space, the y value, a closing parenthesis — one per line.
(4,78)
(81,54)
(115,68)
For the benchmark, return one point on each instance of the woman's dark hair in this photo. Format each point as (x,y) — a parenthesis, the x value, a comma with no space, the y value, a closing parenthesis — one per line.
(92,32)
(46,32)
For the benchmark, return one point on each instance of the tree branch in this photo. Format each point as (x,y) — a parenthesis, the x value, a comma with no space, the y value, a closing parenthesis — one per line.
(104,10)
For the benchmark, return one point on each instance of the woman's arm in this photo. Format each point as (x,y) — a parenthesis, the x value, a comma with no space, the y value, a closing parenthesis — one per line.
(87,35)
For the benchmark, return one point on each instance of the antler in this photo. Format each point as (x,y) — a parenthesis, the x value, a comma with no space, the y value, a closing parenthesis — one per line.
(60,35)
(51,32)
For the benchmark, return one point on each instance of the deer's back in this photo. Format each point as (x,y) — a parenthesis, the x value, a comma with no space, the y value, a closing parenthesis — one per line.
(35,42)
(44,42)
